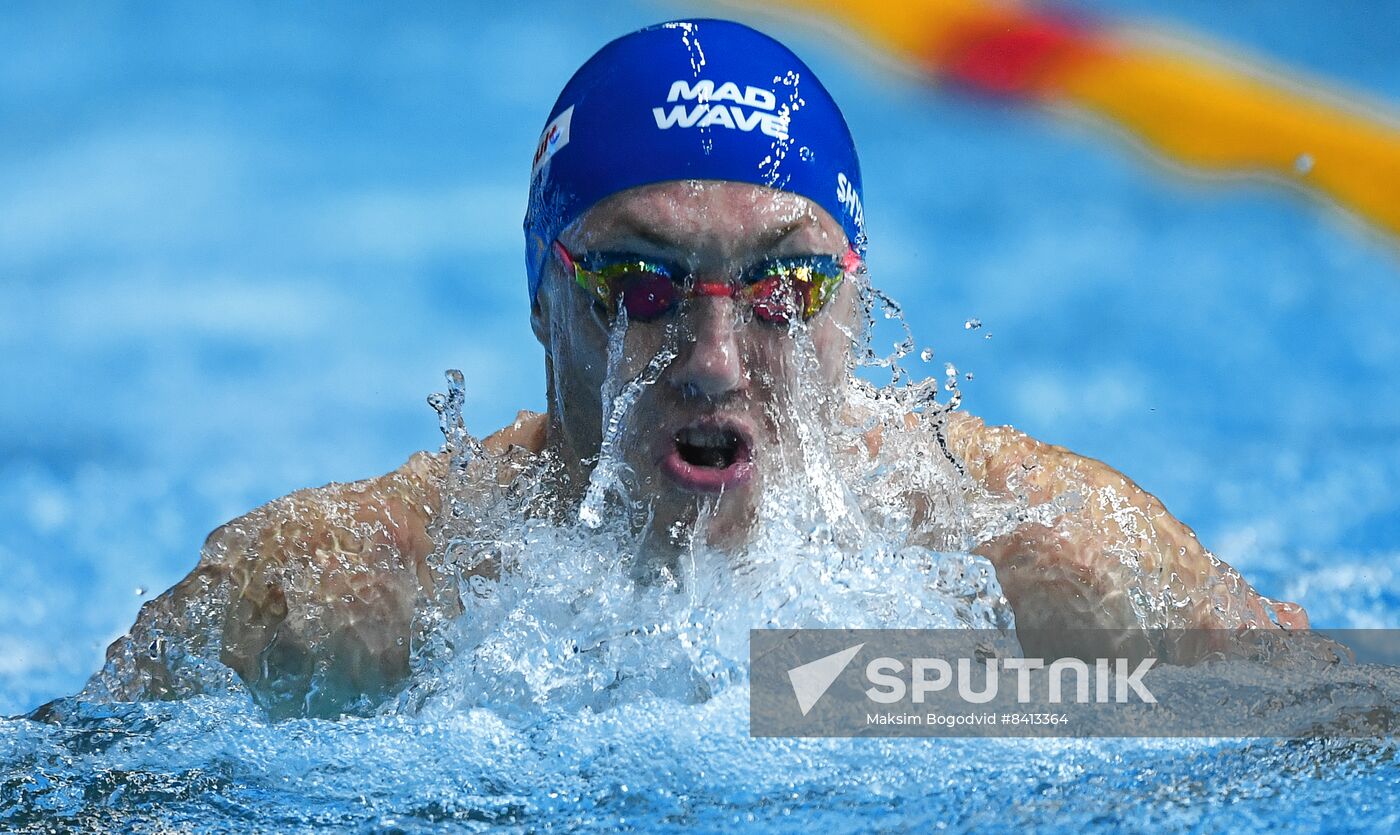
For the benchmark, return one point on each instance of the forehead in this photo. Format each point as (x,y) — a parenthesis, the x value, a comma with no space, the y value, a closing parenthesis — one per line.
(708,217)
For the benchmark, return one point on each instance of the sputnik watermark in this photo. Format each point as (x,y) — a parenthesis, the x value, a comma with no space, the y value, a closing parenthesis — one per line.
(1079,683)
(810,681)
(931,675)
(1111,679)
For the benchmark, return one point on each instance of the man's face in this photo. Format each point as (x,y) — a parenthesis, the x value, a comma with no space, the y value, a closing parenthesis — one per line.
(717,421)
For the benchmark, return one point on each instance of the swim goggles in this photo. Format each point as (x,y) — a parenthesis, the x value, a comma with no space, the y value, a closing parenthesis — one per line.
(776,288)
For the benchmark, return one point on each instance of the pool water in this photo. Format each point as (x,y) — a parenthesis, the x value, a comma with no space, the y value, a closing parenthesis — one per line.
(239,246)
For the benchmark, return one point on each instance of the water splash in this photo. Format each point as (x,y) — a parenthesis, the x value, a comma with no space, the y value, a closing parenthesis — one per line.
(582,615)
(460,445)
(610,476)
(560,676)
(543,594)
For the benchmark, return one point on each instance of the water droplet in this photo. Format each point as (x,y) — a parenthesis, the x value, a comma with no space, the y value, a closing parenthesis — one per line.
(589,516)
(972,324)
(950,370)
(967,376)
(1303,163)
(140,591)
(926,355)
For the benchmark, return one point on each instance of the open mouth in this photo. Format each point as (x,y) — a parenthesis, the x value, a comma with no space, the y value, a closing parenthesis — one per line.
(709,456)
(708,447)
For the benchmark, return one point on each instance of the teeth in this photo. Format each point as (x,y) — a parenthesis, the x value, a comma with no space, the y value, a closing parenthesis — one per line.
(708,437)
(708,446)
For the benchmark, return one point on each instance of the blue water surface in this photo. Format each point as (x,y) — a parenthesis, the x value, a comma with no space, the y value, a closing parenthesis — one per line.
(240,242)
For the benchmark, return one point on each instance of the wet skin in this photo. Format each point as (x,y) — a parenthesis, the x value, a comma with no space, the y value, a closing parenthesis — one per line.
(359,552)
(733,373)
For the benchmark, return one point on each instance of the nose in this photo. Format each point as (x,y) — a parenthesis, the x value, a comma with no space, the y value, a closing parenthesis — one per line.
(712,367)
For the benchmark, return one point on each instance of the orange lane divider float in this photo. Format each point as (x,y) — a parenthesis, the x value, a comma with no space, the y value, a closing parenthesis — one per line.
(1195,110)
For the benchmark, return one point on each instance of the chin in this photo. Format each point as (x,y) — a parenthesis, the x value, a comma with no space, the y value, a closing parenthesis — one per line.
(728,515)
(731,526)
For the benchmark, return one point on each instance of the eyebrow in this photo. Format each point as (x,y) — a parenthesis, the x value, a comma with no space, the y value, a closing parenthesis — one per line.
(637,228)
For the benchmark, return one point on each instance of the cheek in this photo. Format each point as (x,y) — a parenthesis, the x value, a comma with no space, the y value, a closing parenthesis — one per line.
(832,335)
(833,351)
(643,343)
(577,350)
(580,350)
(767,357)
(777,365)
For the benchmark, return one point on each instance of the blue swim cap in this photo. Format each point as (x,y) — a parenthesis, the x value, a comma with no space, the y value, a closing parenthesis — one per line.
(690,99)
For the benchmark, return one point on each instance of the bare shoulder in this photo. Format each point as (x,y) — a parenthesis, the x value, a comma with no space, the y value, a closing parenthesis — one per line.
(400,504)
(1007,462)
(314,595)
(527,431)
(269,577)
(346,523)
(396,507)
(1113,542)
(342,524)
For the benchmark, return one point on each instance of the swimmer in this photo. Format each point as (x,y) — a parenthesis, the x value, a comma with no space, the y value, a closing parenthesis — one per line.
(695,198)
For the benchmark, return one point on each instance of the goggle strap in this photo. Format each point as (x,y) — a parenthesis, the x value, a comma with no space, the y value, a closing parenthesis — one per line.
(850,262)
(565,256)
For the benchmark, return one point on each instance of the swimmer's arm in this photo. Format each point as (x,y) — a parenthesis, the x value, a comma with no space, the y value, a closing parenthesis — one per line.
(312,600)
(1110,556)
(309,599)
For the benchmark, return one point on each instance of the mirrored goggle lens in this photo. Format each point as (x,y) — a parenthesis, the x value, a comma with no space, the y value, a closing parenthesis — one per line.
(790,291)
(646,295)
(776,298)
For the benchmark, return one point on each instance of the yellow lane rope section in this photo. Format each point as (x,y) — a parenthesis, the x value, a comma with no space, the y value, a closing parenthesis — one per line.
(1200,112)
